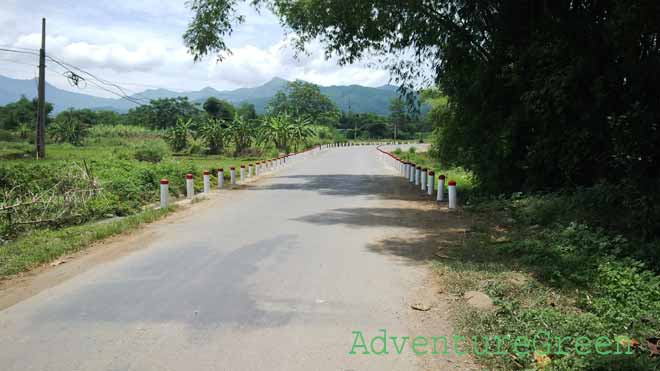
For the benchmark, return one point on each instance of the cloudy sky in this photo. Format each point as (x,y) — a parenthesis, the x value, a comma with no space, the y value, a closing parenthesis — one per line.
(138,43)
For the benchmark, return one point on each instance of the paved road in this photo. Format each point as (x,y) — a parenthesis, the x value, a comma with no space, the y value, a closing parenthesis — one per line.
(273,277)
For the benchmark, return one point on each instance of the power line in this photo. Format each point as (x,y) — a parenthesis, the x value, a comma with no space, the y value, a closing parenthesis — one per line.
(76,78)
(18,51)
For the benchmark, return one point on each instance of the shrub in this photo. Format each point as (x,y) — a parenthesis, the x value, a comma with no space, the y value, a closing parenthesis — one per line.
(152,151)
(178,136)
(70,130)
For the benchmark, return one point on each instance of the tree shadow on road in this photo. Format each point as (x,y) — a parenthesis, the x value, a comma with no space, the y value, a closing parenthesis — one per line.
(418,233)
(382,186)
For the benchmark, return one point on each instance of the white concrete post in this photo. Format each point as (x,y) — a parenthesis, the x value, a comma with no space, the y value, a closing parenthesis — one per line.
(242,173)
(418,174)
(207,181)
(232,175)
(441,188)
(451,186)
(250,170)
(423,180)
(431,185)
(221,178)
(164,193)
(190,189)
(411,172)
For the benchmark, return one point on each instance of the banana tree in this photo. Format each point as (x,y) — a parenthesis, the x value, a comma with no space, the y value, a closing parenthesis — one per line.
(241,131)
(277,130)
(301,130)
(213,135)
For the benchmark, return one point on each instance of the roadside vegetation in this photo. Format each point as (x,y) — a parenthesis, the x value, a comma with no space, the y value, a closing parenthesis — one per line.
(104,165)
(553,110)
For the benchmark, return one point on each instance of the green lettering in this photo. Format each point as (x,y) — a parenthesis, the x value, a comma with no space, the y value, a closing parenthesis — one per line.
(382,339)
(445,351)
(603,342)
(457,339)
(582,342)
(358,336)
(403,343)
(415,344)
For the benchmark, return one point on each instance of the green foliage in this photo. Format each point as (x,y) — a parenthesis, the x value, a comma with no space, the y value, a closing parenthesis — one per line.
(150,151)
(47,245)
(103,131)
(219,109)
(163,113)
(25,131)
(213,134)
(247,111)
(242,133)
(23,111)
(303,99)
(68,129)
(179,135)
(398,115)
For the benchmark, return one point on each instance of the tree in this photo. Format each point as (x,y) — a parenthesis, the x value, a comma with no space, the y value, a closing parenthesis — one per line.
(301,130)
(23,111)
(398,115)
(540,94)
(303,99)
(178,135)
(219,109)
(163,113)
(247,111)
(213,134)
(241,131)
(277,130)
(68,128)
(279,104)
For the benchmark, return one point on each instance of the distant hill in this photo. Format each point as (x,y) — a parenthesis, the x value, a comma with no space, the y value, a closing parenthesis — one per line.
(362,99)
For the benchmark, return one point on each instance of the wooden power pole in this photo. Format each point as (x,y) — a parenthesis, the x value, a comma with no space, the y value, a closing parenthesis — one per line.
(41,103)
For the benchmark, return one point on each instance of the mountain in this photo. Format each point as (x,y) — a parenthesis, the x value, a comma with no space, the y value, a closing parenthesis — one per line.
(362,99)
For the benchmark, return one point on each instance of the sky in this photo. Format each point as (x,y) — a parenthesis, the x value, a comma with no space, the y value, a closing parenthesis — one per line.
(138,43)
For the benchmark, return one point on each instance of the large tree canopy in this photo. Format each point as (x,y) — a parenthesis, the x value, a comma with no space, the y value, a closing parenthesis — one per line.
(301,98)
(541,94)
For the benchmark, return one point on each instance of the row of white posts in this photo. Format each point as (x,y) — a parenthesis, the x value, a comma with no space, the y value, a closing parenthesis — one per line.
(357,144)
(423,178)
(246,172)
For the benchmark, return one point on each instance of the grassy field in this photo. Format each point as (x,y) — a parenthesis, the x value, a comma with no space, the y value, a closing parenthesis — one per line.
(49,206)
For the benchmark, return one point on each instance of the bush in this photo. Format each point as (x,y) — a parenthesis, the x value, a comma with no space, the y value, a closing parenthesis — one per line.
(178,136)
(152,151)
(70,131)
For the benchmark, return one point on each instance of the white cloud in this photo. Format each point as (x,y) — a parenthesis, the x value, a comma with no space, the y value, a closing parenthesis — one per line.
(139,43)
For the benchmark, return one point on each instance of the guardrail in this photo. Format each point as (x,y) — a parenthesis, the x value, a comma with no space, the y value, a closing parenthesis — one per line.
(423,178)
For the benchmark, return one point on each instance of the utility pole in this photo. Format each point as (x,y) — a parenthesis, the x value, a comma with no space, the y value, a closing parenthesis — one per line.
(394,130)
(41,103)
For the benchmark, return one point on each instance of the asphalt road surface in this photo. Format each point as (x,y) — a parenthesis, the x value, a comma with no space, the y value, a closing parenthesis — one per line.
(275,276)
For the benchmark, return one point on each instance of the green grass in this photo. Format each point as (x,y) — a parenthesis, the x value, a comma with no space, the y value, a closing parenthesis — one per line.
(46,245)
(464,180)
(126,184)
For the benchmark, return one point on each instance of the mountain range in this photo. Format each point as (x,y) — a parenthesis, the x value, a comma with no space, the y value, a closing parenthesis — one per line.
(362,99)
